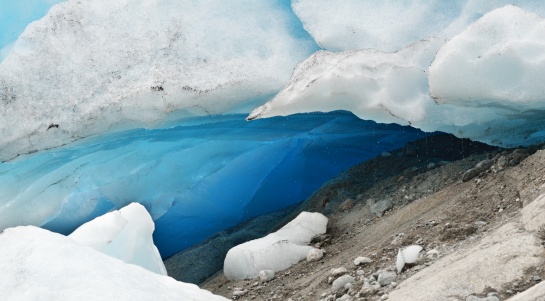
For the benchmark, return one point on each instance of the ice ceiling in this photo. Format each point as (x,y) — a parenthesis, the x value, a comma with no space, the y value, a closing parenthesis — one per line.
(155,92)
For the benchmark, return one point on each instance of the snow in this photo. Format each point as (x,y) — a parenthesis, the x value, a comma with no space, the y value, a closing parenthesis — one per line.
(41,265)
(484,82)
(125,234)
(202,176)
(83,69)
(276,251)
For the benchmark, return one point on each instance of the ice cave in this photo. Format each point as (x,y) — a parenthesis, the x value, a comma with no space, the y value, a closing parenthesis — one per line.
(209,113)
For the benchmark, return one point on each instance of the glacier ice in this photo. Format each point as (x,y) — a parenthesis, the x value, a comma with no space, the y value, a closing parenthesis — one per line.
(395,86)
(406,255)
(384,25)
(499,61)
(276,251)
(207,174)
(392,25)
(90,67)
(125,234)
(41,265)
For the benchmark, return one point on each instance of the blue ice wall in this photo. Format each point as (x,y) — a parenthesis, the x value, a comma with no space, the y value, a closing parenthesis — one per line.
(202,176)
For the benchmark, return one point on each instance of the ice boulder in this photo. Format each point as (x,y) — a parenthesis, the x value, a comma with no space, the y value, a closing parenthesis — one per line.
(89,67)
(125,234)
(41,265)
(408,255)
(276,251)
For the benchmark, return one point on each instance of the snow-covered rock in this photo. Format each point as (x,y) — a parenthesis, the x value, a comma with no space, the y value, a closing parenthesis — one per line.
(41,265)
(276,251)
(126,235)
(90,67)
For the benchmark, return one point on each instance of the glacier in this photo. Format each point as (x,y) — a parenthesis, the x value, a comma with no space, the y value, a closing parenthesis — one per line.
(483,83)
(107,103)
(197,178)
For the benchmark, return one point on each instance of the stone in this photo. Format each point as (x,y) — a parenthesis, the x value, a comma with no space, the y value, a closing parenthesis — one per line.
(475,298)
(380,207)
(347,205)
(338,272)
(341,282)
(345,297)
(266,275)
(536,292)
(315,254)
(362,260)
(386,277)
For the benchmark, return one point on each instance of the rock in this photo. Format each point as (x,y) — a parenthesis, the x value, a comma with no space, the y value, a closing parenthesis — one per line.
(386,154)
(338,272)
(480,223)
(431,165)
(537,292)
(315,254)
(508,247)
(362,260)
(239,293)
(380,207)
(489,298)
(386,277)
(340,282)
(345,297)
(266,275)
(347,205)
(480,167)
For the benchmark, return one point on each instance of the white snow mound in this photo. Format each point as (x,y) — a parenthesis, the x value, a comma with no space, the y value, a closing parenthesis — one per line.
(125,234)
(276,251)
(41,265)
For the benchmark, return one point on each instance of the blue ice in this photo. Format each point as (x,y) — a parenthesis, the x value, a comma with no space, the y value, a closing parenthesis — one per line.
(202,176)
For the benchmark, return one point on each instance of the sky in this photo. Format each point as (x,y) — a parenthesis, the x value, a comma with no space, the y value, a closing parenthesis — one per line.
(15,15)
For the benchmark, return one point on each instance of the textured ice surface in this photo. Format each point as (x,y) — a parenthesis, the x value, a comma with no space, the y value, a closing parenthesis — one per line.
(386,25)
(392,24)
(125,234)
(486,82)
(90,66)
(276,251)
(203,176)
(40,265)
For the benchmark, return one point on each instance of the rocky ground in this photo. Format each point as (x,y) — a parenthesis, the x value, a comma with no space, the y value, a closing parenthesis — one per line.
(472,208)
